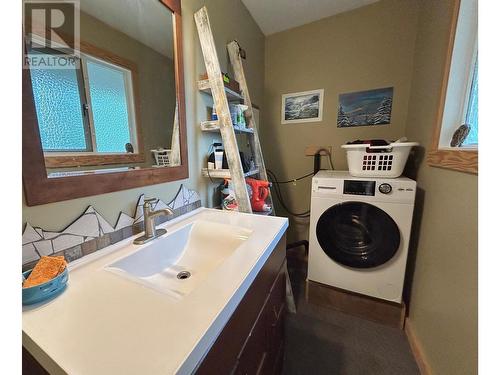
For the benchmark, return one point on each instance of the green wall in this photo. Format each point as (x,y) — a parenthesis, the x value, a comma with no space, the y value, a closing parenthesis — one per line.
(367,48)
(443,304)
(400,43)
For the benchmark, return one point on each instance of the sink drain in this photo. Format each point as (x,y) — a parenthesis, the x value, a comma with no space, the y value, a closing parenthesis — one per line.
(183,275)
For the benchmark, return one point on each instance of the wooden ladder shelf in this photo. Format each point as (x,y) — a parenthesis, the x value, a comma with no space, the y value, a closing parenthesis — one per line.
(221,97)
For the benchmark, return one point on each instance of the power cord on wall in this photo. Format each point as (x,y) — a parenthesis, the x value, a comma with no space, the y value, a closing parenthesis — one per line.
(279,194)
(329,156)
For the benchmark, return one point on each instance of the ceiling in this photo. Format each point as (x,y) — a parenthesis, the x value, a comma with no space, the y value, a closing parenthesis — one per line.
(273,16)
(146,21)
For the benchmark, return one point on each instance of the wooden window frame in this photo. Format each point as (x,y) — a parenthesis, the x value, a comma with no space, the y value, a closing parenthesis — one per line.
(463,160)
(93,158)
(40,189)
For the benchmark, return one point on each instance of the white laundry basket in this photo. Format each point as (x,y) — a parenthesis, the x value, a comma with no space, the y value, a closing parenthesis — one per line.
(162,157)
(367,160)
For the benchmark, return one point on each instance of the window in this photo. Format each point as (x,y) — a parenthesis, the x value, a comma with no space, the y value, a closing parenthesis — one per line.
(471,116)
(454,146)
(86,113)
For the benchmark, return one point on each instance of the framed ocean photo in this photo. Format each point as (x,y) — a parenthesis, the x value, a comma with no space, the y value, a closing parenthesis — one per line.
(299,107)
(365,108)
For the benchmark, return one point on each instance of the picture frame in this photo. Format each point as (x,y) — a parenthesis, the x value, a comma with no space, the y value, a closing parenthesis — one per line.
(365,108)
(302,107)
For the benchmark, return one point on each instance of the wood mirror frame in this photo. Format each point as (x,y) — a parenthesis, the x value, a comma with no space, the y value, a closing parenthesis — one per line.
(39,189)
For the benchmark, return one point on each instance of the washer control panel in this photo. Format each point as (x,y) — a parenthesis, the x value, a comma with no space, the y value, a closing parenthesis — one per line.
(355,187)
(347,187)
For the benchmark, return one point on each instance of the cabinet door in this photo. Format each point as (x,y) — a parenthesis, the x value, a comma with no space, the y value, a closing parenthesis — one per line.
(260,353)
(251,358)
(226,355)
(275,311)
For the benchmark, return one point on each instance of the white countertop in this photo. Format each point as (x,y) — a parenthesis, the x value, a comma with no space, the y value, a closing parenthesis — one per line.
(106,324)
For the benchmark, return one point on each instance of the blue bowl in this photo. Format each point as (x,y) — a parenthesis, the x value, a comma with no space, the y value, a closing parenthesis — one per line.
(45,291)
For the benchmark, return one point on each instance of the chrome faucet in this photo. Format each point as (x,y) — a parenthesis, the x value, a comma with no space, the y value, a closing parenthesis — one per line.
(150,231)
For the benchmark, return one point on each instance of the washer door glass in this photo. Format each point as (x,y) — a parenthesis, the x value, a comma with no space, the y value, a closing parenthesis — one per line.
(358,234)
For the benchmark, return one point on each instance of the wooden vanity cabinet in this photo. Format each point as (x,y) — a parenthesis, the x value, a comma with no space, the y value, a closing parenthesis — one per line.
(252,340)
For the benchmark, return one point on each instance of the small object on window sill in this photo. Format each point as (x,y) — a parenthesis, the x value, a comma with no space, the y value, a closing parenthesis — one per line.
(129,148)
(460,135)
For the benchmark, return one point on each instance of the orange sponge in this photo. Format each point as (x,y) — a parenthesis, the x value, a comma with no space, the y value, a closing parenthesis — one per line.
(46,269)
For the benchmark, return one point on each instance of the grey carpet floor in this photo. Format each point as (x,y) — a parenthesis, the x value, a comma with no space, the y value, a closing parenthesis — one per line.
(321,341)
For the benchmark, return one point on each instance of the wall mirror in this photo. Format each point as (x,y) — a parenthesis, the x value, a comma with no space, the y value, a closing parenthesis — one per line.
(103,99)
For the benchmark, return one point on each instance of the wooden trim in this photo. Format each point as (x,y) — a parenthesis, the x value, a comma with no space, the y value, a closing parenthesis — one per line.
(460,159)
(416,348)
(173,5)
(366,307)
(63,161)
(39,189)
(179,83)
(313,150)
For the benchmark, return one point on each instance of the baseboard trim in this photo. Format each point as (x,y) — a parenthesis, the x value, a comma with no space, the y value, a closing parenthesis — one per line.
(374,309)
(416,348)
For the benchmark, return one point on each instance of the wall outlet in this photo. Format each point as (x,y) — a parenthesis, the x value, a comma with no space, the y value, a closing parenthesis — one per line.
(312,150)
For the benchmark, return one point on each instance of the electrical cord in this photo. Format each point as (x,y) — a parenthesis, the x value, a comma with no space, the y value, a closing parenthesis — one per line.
(329,156)
(279,194)
(275,182)
(293,180)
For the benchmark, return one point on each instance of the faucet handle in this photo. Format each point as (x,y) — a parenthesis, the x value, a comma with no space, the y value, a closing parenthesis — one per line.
(150,201)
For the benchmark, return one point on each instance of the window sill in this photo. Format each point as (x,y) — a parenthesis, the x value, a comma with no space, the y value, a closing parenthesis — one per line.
(89,160)
(464,160)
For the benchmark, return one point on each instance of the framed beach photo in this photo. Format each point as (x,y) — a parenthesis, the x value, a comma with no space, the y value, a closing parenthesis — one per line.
(299,107)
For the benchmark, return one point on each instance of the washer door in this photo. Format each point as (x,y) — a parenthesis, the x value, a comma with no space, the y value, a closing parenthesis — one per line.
(357,234)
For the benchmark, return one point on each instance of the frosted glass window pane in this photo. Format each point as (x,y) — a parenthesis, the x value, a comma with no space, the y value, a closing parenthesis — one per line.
(472,113)
(59,109)
(109,107)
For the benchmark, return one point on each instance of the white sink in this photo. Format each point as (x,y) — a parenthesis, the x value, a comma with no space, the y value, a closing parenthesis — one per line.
(178,261)
(112,300)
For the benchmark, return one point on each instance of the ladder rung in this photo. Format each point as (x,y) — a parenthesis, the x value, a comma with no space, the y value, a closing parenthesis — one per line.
(214,126)
(204,86)
(224,173)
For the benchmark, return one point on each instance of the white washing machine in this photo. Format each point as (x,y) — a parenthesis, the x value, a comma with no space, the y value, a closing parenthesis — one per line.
(359,233)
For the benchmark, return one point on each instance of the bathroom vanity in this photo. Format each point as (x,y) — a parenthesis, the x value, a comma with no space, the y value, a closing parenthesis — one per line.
(252,340)
(126,310)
